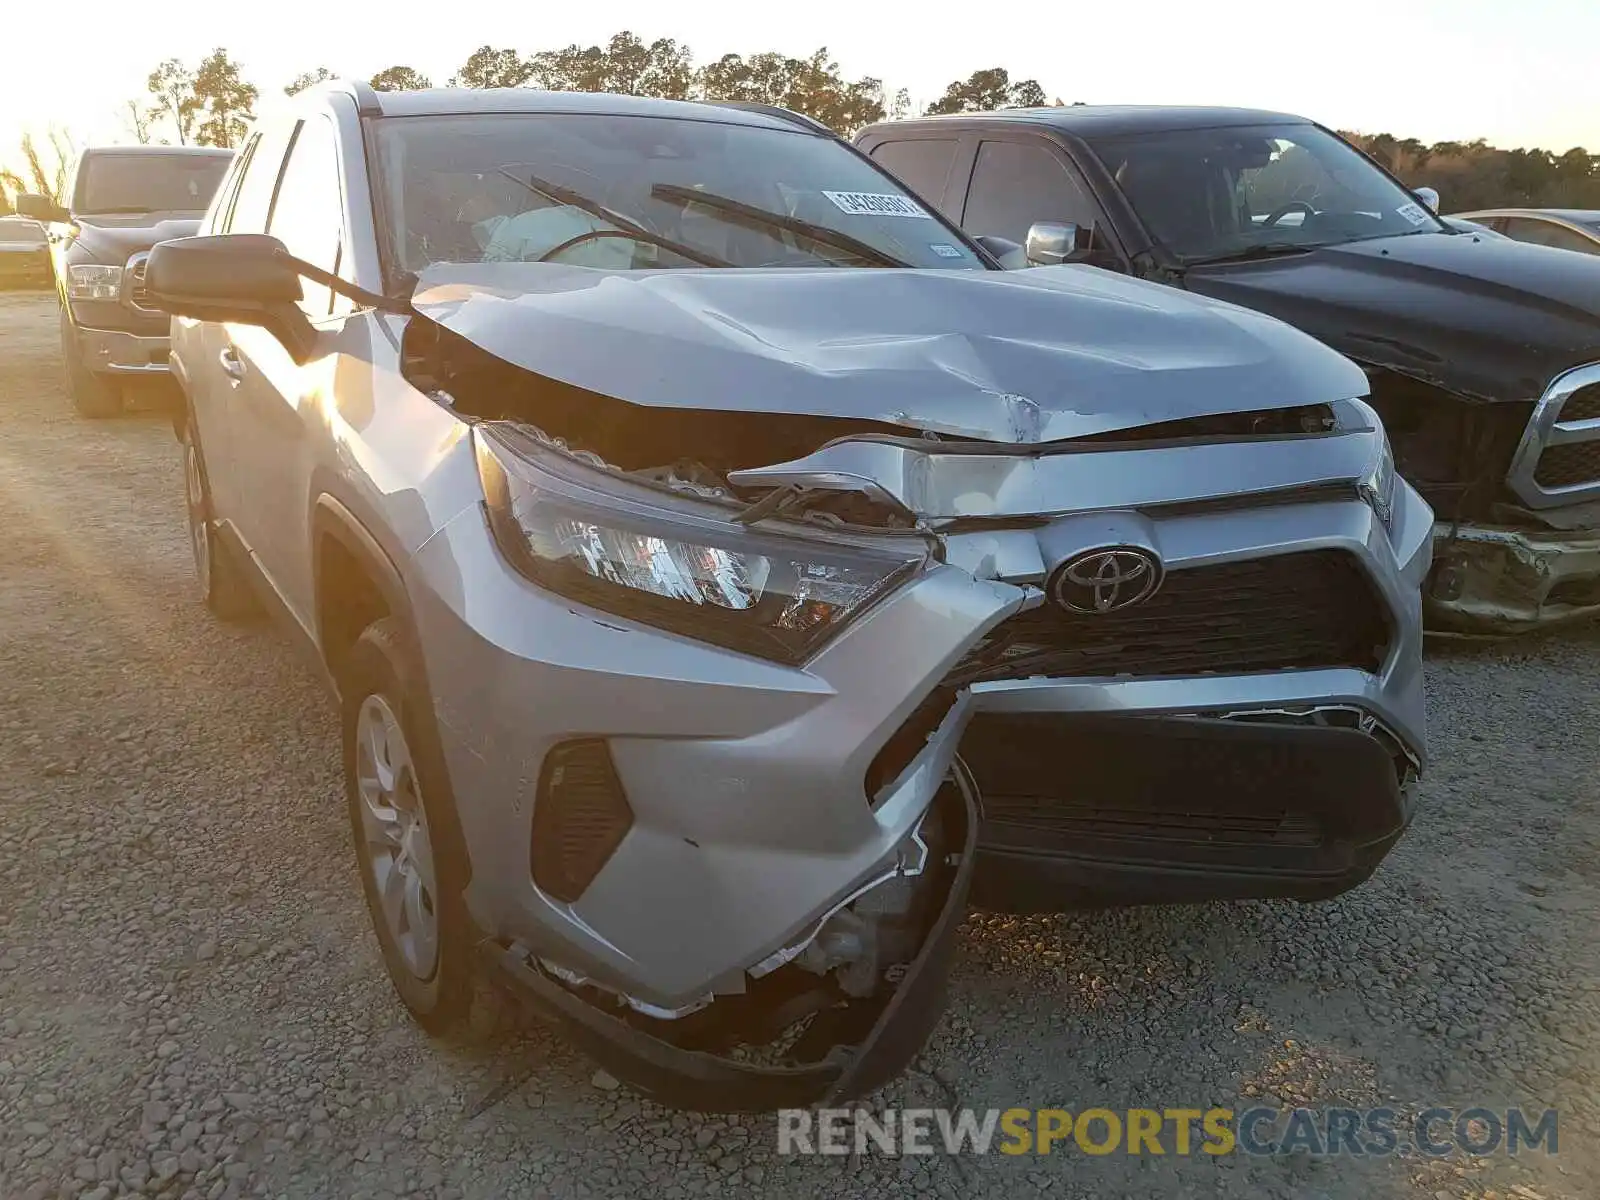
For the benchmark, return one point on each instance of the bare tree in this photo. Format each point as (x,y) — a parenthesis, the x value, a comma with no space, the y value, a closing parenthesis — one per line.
(139,118)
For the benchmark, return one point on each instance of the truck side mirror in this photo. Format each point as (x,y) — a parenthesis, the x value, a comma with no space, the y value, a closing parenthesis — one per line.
(41,208)
(1428,196)
(1051,243)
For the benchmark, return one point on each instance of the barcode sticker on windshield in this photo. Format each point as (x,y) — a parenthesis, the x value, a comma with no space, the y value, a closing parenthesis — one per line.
(1413,213)
(876,204)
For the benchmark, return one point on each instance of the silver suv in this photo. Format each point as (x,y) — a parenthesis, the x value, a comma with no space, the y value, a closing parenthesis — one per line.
(668,496)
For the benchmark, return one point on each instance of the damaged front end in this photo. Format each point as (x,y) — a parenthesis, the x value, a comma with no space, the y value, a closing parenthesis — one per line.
(750,611)
(1516,488)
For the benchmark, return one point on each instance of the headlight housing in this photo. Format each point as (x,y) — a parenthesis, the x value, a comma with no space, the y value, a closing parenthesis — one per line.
(93,281)
(1377,486)
(678,561)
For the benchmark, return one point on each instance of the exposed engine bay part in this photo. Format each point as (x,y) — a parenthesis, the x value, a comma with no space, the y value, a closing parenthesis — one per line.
(802,1034)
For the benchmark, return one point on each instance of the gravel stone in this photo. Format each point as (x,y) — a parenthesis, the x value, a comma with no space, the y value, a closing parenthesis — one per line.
(192,1004)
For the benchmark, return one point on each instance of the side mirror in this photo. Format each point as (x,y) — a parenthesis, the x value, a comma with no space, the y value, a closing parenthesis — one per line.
(1428,196)
(40,208)
(1006,252)
(1051,243)
(246,278)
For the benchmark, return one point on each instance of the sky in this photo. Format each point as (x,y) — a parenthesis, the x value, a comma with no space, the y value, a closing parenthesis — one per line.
(1514,72)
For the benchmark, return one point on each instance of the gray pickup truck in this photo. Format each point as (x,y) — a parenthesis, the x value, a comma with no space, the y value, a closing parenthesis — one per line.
(122,201)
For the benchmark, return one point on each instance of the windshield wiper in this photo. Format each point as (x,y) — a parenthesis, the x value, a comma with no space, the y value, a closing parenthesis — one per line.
(563,195)
(1262,250)
(760,218)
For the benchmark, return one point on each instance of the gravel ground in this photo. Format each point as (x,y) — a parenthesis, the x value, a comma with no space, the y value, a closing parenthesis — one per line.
(191,1004)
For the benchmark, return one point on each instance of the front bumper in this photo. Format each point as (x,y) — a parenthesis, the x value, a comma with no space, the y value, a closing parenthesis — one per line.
(117,352)
(751,815)
(1491,580)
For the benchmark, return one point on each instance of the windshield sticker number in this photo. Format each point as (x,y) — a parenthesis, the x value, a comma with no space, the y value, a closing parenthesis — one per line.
(1413,213)
(944,249)
(876,204)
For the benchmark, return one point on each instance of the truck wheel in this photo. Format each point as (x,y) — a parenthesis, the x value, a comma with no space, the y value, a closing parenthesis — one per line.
(92,395)
(224,588)
(410,875)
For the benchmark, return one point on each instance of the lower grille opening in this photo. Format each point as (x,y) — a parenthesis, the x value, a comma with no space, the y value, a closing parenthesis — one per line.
(1310,609)
(1178,827)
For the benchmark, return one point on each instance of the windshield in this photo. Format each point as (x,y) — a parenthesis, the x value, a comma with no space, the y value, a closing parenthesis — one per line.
(529,187)
(134,183)
(15,229)
(1215,193)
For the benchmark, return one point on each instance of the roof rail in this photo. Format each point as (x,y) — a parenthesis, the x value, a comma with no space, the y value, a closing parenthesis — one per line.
(365,97)
(782,114)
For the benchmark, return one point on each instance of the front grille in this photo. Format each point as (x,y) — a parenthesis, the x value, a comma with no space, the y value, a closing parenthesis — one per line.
(1563,466)
(138,293)
(1311,609)
(1582,405)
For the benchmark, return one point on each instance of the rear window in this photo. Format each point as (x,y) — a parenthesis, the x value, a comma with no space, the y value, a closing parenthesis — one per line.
(135,183)
(14,230)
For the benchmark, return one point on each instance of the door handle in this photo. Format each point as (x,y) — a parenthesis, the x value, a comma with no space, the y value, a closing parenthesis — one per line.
(232,364)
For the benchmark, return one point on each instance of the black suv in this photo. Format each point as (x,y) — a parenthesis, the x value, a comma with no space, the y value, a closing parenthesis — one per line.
(1483,353)
(124,199)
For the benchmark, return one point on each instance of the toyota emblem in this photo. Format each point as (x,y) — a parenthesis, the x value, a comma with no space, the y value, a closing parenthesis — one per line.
(1104,581)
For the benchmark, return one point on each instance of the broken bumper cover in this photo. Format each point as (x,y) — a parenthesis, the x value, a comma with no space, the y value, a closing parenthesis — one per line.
(685,1078)
(1496,580)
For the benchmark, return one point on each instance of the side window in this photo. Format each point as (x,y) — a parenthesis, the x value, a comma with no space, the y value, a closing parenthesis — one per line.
(922,164)
(1547,233)
(253,203)
(309,215)
(1015,184)
(216,220)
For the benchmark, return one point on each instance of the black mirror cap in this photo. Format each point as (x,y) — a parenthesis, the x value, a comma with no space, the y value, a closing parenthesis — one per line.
(40,208)
(240,271)
(243,278)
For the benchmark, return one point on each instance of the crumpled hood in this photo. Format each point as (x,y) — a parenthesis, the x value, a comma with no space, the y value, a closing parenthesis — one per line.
(1026,356)
(111,239)
(1488,318)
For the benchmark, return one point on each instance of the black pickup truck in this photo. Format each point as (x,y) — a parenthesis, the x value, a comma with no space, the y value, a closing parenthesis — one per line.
(123,200)
(1483,354)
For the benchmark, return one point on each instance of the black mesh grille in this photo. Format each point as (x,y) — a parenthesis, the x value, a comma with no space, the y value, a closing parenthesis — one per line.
(1582,405)
(1563,466)
(580,817)
(1312,609)
(1272,828)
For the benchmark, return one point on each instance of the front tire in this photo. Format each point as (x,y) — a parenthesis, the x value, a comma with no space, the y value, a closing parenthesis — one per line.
(411,877)
(93,396)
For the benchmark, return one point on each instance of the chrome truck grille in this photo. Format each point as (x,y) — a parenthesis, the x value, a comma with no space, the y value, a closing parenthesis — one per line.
(1558,459)
(133,285)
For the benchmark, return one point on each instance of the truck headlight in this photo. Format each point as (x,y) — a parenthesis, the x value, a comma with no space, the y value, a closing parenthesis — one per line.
(93,281)
(679,562)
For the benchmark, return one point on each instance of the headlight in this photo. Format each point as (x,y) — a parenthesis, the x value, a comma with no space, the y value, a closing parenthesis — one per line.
(92,281)
(676,561)
(1377,486)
